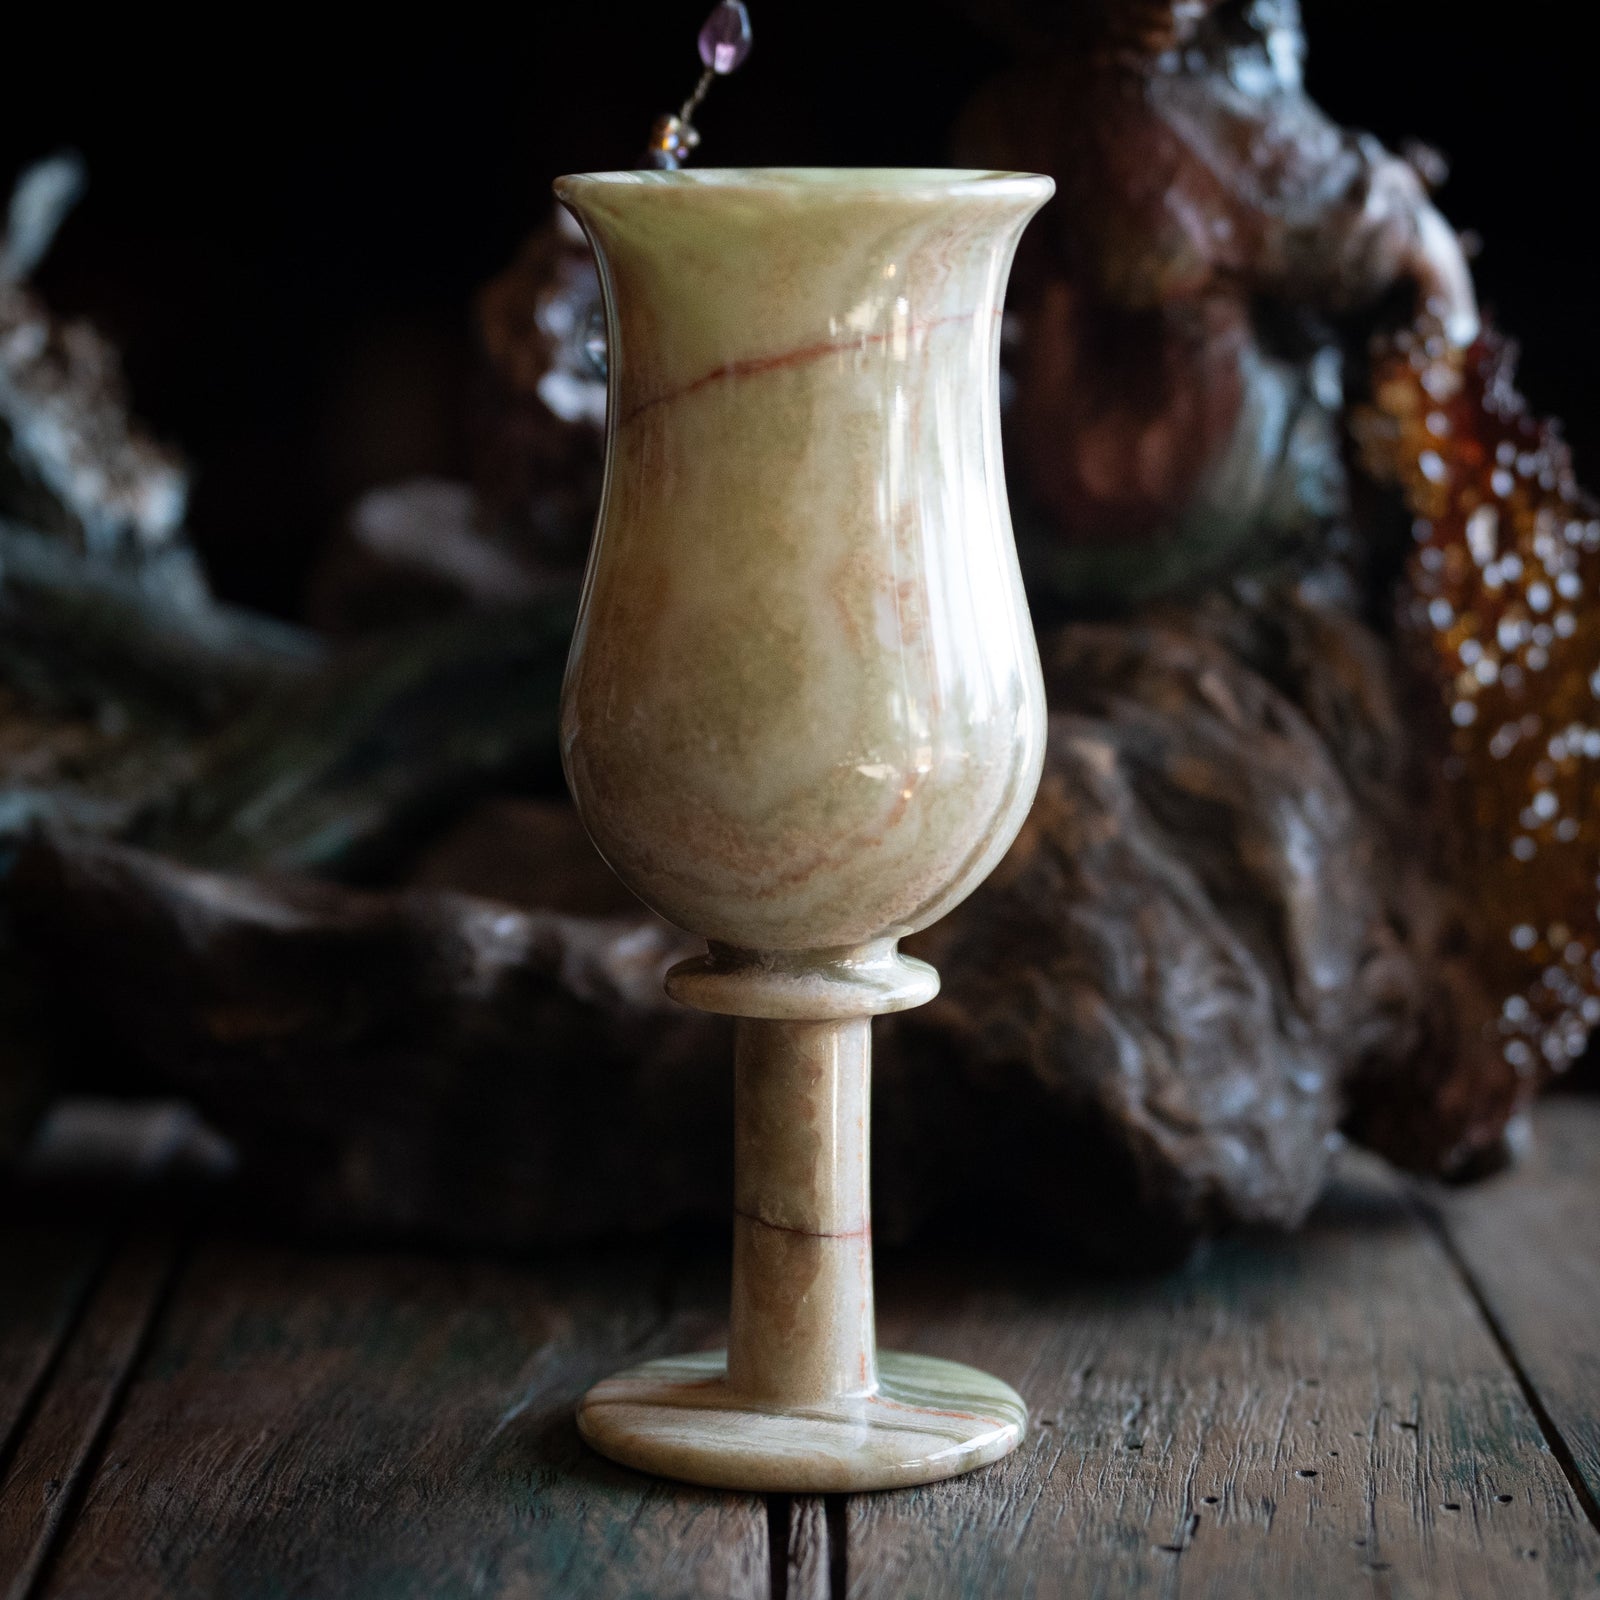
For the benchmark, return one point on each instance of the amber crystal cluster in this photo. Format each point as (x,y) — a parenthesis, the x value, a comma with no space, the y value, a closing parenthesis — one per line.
(1498,610)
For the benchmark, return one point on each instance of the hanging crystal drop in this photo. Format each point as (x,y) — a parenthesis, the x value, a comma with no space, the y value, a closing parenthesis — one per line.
(725,37)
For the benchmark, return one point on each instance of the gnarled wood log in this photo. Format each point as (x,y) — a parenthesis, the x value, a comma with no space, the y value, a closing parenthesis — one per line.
(1187,976)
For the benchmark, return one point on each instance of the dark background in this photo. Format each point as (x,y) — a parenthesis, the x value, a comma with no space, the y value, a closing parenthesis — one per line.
(288,217)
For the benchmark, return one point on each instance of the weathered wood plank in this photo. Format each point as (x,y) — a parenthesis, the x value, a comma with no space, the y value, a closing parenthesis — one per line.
(45,1271)
(370,1425)
(809,1574)
(61,1445)
(1320,1415)
(1530,1245)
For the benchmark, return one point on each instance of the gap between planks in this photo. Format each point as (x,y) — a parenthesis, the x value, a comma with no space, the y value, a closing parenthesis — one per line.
(59,1444)
(1527,1246)
(803,1549)
(1563,1452)
(371,1422)
(1312,1415)
(807,1536)
(47,1278)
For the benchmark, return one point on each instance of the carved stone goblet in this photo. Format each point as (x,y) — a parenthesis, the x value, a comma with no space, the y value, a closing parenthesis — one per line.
(803,717)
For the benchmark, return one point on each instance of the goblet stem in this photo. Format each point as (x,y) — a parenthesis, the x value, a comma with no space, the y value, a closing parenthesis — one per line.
(801,1327)
(802,1400)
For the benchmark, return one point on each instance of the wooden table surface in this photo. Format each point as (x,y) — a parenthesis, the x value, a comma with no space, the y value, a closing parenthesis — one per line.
(1402,1400)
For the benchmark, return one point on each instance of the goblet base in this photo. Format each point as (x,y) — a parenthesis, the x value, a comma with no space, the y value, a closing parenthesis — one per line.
(927,1419)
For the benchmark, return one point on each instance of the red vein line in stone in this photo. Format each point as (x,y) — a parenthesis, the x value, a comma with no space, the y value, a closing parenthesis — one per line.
(755,366)
(804,1233)
(933,1411)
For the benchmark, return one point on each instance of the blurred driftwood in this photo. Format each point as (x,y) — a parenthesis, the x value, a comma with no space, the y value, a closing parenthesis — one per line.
(1188,975)
(227,738)
(1181,311)
(409,1062)
(348,769)
(115,658)
(1216,950)
(72,460)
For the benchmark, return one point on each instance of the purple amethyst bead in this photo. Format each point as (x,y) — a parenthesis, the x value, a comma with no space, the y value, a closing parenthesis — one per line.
(725,37)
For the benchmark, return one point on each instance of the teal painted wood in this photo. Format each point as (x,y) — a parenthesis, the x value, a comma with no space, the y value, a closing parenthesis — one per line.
(1530,1244)
(378,1427)
(1322,1415)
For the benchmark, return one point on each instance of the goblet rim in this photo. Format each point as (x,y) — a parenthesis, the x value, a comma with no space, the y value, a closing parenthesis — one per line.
(869,183)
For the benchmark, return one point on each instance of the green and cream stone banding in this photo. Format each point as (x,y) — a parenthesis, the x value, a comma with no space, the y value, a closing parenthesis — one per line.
(803,717)
(804,708)
(927,1419)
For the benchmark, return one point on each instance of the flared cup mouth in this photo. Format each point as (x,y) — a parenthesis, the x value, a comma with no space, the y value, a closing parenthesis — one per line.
(856,183)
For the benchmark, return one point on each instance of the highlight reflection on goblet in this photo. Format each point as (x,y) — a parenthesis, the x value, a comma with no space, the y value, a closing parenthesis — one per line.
(803,717)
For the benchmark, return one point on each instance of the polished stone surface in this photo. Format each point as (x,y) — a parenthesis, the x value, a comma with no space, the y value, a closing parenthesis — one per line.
(927,1419)
(804,707)
(803,717)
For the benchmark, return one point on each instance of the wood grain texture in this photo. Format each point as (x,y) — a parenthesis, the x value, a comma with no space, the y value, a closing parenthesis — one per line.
(384,1426)
(1529,1243)
(1356,1410)
(809,1567)
(1318,1415)
(45,1272)
(60,1451)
